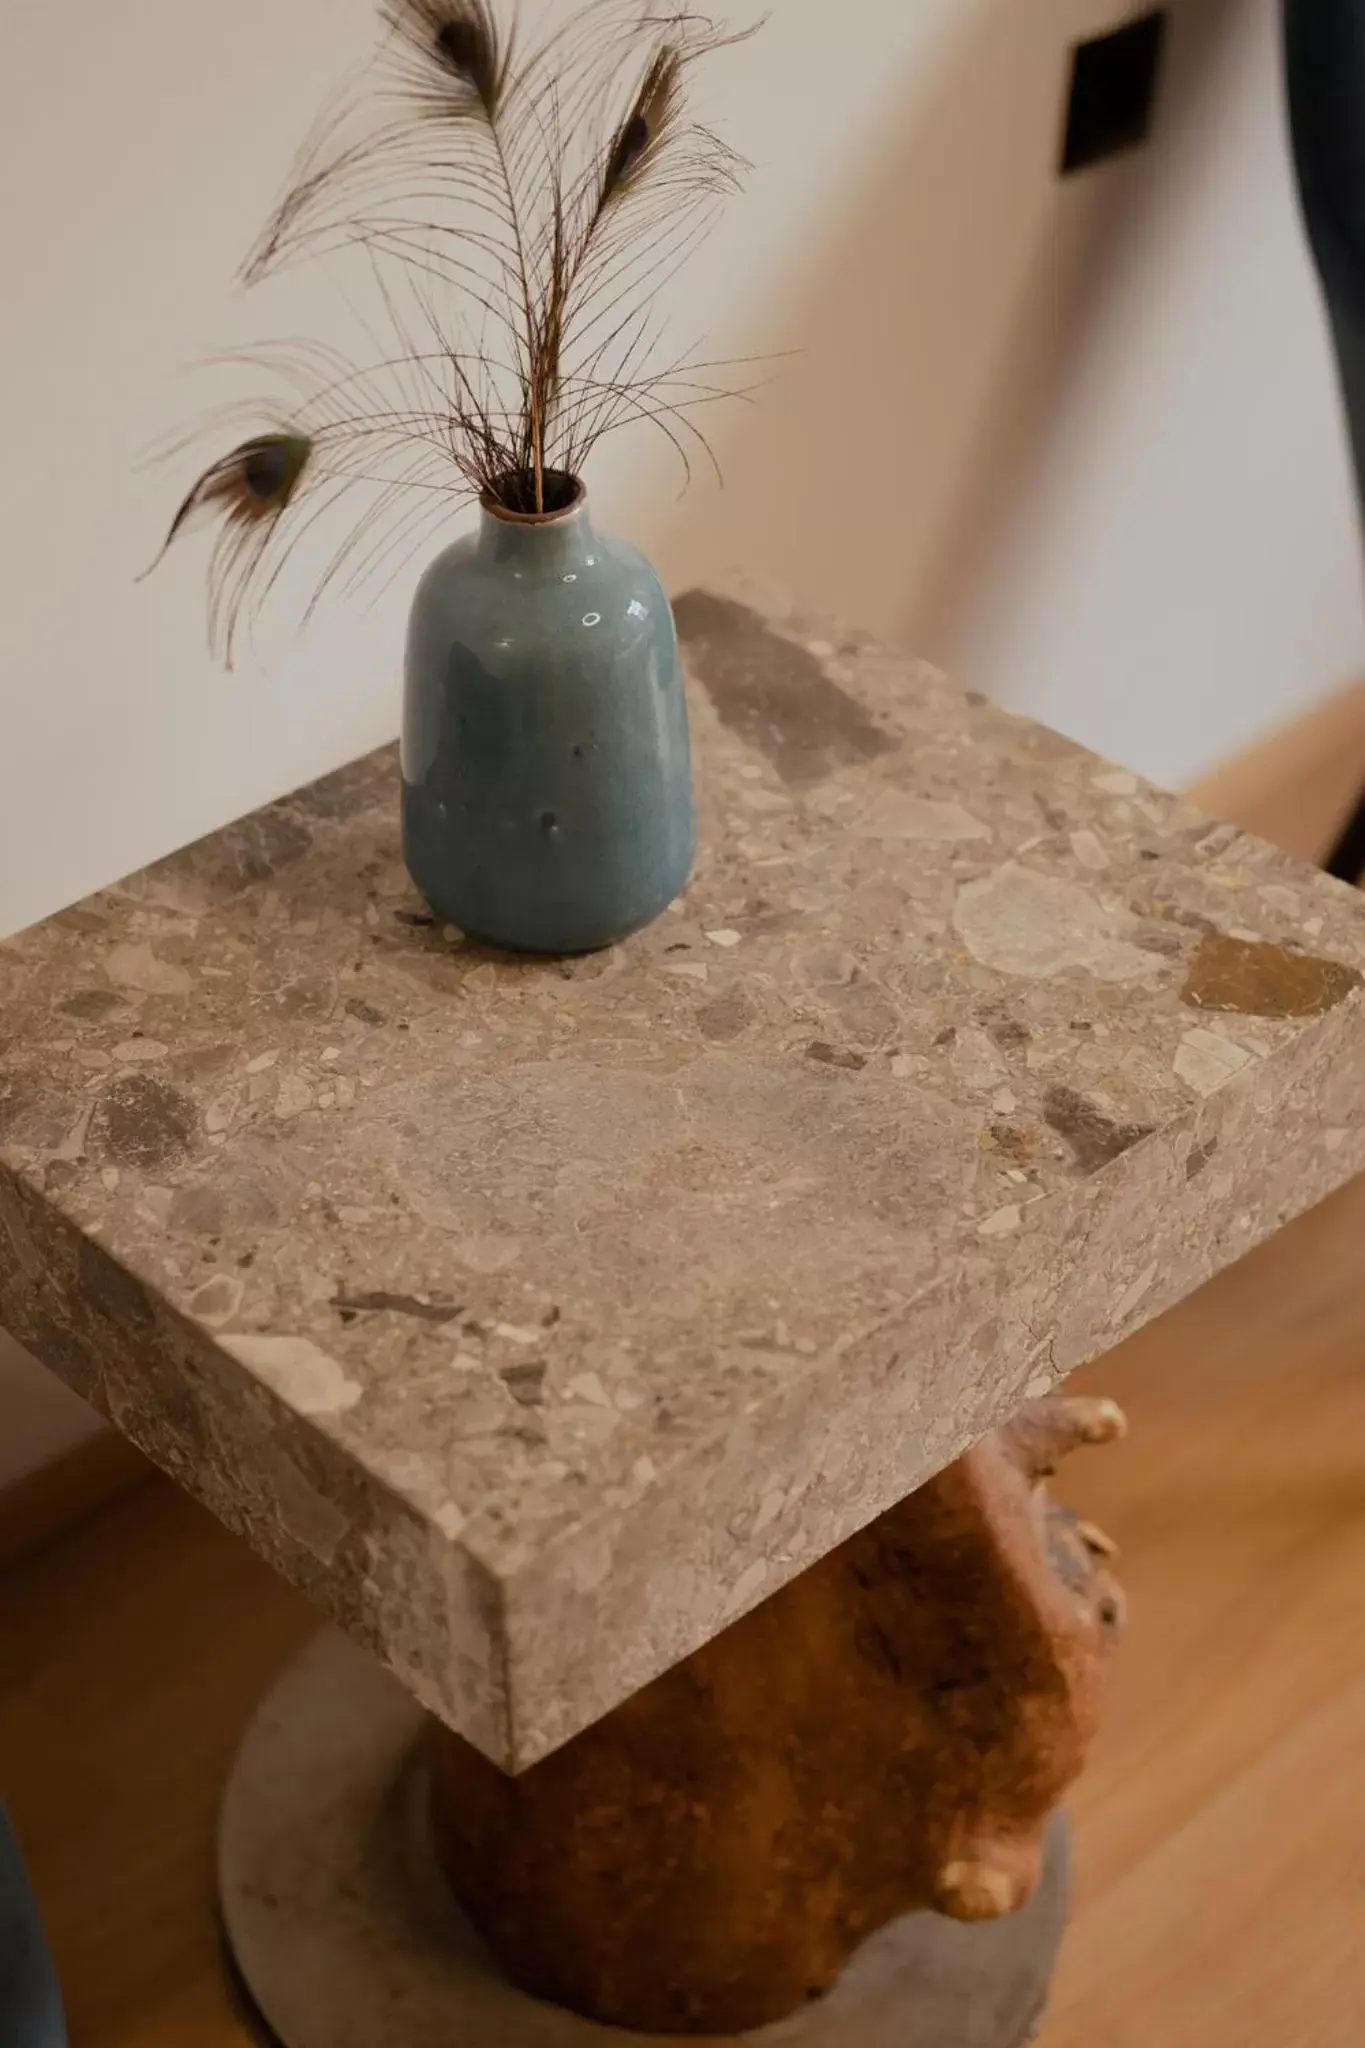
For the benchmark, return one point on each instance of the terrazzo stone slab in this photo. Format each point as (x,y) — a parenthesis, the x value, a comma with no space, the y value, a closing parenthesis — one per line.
(539,1318)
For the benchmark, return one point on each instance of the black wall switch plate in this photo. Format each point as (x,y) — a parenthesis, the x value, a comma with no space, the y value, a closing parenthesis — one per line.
(1113,92)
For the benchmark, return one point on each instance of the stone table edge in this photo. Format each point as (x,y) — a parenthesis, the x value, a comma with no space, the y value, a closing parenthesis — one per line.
(472,1605)
(251,1483)
(1296,1178)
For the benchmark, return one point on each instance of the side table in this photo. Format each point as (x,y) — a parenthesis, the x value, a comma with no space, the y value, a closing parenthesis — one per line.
(593,1339)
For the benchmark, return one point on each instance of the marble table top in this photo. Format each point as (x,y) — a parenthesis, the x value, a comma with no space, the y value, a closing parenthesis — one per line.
(539,1318)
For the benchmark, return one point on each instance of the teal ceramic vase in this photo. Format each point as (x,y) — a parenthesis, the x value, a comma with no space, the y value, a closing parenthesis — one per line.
(547,795)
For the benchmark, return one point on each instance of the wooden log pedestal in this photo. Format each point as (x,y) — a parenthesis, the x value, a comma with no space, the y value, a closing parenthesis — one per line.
(592,1340)
(833,1825)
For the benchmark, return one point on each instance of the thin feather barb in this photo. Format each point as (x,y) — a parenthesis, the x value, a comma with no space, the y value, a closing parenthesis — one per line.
(252,485)
(462,38)
(645,128)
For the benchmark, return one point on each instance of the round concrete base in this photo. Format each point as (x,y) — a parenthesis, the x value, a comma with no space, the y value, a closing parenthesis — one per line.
(345,1936)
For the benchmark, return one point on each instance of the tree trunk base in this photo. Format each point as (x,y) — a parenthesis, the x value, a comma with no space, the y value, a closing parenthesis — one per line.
(345,1934)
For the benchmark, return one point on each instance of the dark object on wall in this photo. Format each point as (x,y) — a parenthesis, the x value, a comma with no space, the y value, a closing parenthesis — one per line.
(1114,81)
(30,2007)
(1325,77)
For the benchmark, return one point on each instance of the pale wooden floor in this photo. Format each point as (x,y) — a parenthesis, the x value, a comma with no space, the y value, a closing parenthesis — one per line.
(1222,1824)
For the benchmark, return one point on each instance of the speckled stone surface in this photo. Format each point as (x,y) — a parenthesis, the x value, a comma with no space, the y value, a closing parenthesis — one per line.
(539,1318)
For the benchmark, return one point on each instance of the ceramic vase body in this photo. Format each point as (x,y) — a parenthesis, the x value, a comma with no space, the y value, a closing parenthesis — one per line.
(547,797)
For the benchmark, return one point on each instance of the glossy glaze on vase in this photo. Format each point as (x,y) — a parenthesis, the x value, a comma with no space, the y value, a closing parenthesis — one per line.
(547,801)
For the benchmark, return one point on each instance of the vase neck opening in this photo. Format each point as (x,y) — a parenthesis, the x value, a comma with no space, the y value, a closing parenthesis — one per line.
(522,494)
(558,532)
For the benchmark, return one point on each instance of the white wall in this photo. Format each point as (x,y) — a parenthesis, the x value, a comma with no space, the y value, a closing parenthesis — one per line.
(137,161)
(1080,439)
(1179,567)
